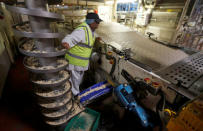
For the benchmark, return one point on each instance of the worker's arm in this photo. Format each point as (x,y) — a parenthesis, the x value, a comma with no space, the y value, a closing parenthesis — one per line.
(98,39)
(77,36)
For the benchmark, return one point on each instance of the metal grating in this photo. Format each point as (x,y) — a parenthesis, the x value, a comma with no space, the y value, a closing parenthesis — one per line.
(187,71)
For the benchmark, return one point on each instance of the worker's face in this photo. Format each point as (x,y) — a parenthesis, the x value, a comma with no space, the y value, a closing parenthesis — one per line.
(94,26)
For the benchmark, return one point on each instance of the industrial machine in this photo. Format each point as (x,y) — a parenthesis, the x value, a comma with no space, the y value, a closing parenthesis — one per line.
(125,95)
(162,81)
(167,80)
(47,69)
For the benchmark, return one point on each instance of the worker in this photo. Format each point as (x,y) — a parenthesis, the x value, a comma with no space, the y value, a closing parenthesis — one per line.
(79,45)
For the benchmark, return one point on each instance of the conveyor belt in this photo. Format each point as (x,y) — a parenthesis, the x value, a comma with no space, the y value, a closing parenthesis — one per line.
(144,50)
(151,54)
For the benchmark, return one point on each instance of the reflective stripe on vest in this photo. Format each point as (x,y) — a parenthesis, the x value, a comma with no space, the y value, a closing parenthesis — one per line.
(84,45)
(87,34)
(80,53)
(78,57)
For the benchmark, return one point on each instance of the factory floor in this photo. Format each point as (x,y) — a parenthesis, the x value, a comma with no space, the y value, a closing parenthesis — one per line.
(18,111)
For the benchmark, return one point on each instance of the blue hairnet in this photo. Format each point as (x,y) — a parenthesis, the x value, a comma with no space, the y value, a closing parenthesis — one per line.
(89,21)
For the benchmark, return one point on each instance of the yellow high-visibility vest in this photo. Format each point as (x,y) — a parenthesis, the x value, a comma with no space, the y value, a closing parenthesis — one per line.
(80,53)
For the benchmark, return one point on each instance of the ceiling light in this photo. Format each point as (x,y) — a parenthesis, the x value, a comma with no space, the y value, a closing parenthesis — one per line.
(125,1)
(109,2)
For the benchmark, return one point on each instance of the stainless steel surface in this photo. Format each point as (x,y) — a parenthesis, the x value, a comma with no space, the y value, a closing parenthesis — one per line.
(187,71)
(48,54)
(37,34)
(51,83)
(162,25)
(59,113)
(45,73)
(35,12)
(58,92)
(148,52)
(187,93)
(41,25)
(37,53)
(144,50)
(45,69)
(55,104)
(76,108)
(197,87)
(184,92)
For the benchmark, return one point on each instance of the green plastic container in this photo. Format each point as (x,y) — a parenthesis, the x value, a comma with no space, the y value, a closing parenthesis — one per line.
(88,120)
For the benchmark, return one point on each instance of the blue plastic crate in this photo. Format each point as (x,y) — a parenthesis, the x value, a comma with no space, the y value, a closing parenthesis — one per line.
(93,95)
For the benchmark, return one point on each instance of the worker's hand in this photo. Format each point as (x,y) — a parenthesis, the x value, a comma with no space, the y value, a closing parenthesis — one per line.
(98,39)
(66,45)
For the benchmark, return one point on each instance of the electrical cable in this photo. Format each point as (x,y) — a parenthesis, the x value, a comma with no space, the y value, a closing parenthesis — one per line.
(163,43)
(118,68)
(159,112)
(113,67)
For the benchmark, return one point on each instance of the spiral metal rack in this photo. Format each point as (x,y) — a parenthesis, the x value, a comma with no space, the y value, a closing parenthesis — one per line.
(48,75)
